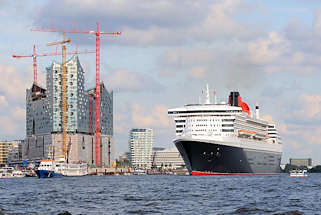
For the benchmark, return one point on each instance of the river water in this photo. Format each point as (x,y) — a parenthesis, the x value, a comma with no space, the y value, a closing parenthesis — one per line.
(162,194)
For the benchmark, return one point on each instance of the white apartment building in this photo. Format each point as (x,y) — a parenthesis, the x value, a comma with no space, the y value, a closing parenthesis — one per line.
(140,146)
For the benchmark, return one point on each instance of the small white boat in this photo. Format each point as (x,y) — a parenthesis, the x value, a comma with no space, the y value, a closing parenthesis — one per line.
(298,173)
(139,172)
(9,172)
(6,172)
(18,174)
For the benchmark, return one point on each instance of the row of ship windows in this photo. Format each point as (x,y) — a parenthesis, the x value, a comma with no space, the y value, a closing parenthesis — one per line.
(210,125)
(260,164)
(205,120)
(204,111)
(247,126)
(208,130)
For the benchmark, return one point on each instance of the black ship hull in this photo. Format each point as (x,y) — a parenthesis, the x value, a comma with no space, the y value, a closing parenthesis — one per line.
(204,158)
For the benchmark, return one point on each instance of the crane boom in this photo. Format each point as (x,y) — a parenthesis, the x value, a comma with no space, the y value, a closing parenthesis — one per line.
(35,55)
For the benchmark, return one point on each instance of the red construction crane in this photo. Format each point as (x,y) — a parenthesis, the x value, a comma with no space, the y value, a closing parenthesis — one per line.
(97,33)
(35,55)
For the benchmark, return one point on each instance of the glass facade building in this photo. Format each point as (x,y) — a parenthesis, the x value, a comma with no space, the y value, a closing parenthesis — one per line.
(44,116)
(140,145)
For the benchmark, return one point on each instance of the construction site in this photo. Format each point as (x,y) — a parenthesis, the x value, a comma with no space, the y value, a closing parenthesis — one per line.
(63,119)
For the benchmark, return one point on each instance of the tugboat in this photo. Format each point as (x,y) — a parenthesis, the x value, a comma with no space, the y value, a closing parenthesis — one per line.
(48,169)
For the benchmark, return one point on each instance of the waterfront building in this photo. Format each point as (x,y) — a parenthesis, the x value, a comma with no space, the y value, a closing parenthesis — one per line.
(123,161)
(44,118)
(8,151)
(125,156)
(140,145)
(167,159)
(15,152)
(301,162)
(3,153)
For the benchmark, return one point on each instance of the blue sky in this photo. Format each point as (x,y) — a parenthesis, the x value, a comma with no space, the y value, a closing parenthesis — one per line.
(270,51)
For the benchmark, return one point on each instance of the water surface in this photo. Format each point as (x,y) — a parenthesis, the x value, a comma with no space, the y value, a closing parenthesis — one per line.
(162,194)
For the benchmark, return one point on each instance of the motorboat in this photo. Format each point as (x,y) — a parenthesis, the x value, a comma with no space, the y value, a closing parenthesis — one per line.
(298,173)
(10,172)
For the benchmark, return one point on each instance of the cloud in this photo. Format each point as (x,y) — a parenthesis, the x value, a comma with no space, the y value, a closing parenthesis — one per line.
(12,122)
(145,22)
(228,63)
(308,109)
(8,127)
(3,101)
(155,118)
(135,115)
(18,113)
(122,80)
(267,50)
(139,14)
(198,72)
(267,118)
(13,85)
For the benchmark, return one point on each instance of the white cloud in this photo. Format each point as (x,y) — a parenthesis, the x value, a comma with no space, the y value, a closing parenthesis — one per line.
(3,101)
(144,22)
(154,118)
(267,50)
(13,84)
(18,113)
(8,127)
(123,80)
(198,72)
(309,108)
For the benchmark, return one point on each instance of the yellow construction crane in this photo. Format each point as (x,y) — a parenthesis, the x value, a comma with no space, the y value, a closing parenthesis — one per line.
(63,86)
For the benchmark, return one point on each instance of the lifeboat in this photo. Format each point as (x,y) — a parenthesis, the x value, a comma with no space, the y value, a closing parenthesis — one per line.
(244,132)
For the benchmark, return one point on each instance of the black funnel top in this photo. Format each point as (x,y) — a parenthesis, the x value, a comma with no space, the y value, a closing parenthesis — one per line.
(233,99)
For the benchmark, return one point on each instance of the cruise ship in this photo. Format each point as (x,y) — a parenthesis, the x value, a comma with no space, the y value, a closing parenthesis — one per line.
(226,138)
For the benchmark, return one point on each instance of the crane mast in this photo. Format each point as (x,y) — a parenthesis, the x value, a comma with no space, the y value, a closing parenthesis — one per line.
(34,58)
(97,110)
(64,94)
(64,102)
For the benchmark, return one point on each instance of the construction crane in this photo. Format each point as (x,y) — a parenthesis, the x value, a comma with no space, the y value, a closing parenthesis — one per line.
(63,86)
(35,55)
(34,58)
(97,95)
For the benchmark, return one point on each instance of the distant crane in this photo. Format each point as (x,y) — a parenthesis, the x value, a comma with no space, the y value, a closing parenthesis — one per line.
(35,55)
(97,33)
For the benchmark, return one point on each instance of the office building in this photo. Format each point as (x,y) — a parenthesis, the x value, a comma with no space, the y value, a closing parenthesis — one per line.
(167,159)
(9,151)
(140,145)
(301,162)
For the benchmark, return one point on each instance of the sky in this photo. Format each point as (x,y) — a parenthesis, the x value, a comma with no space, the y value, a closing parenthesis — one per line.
(268,50)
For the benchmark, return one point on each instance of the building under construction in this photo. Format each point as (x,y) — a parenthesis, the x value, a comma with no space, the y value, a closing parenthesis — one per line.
(44,121)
